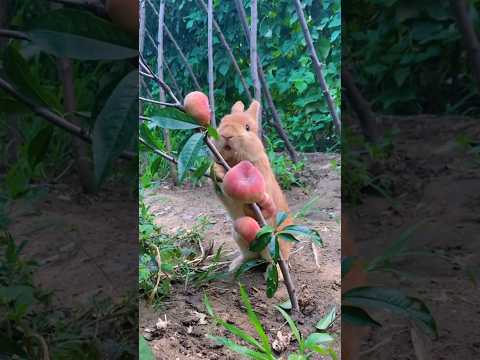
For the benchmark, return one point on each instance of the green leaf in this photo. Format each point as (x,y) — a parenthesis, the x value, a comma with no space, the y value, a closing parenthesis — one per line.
(297,357)
(187,155)
(79,34)
(318,338)
(144,350)
(37,147)
(286,305)
(303,230)
(212,132)
(293,327)
(24,80)
(116,125)
(395,301)
(247,265)
(261,242)
(272,280)
(254,321)
(18,179)
(287,237)
(347,263)
(202,169)
(242,350)
(397,248)
(357,316)
(171,118)
(327,320)
(274,248)
(280,218)
(208,306)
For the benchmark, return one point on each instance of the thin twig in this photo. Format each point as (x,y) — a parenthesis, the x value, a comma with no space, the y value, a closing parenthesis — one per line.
(159,102)
(53,118)
(14,34)
(150,74)
(317,66)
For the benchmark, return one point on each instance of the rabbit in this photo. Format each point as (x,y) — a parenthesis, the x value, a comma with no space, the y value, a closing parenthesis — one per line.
(239,141)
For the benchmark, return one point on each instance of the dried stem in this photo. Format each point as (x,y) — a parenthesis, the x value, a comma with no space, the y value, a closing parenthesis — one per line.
(317,66)
(52,117)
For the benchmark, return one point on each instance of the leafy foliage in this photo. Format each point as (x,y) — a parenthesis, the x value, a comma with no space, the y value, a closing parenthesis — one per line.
(283,54)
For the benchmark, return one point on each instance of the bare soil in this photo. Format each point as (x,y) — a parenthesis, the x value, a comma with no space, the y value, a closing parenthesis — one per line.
(436,182)
(319,287)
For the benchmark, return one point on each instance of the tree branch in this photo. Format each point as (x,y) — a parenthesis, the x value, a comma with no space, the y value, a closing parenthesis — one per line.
(14,34)
(179,50)
(229,52)
(53,118)
(276,123)
(152,75)
(254,60)
(162,103)
(317,66)
(211,94)
(470,39)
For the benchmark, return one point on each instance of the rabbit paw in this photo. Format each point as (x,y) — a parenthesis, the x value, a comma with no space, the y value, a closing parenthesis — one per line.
(235,264)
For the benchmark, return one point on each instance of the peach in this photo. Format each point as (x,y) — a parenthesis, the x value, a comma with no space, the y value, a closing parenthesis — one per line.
(124,13)
(244,182)
(196,104)
(247,228)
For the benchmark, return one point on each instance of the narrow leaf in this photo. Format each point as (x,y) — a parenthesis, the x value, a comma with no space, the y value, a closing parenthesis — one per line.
(327,320)
(357,316)
(188,154)
(272,280)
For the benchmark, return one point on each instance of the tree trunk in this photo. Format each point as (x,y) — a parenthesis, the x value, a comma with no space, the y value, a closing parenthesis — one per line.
(470,39)
(254,61)
(317,66)
(211,94)
(360,106)
(81,149)
(276,123)
(160,62)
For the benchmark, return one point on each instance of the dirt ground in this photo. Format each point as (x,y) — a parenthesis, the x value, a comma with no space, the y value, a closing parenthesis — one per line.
(436,182)
(319,288)
(86,245)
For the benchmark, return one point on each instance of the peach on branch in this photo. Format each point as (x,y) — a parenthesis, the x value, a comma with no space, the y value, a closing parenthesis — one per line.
(247,228)
(244,182)
(196,104)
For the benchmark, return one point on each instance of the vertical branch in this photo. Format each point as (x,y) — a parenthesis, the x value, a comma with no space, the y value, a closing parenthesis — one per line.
(211,95)
(179,50)
(80,148)
(470,39)
(276,117)
(317,66)
(141,40)
(360,106)
(227,47)
(254,60)
(160,62)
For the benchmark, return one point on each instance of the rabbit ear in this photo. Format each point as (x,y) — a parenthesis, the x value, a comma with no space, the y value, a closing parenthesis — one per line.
(238,107)
(253,109)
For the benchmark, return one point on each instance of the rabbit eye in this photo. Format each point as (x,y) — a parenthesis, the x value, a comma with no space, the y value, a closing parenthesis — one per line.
(247,127)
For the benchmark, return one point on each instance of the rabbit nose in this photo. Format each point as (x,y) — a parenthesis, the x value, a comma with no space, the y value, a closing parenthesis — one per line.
(226,137)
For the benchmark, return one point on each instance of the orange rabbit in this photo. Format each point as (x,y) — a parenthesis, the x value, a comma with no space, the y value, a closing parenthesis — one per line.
(239,141)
